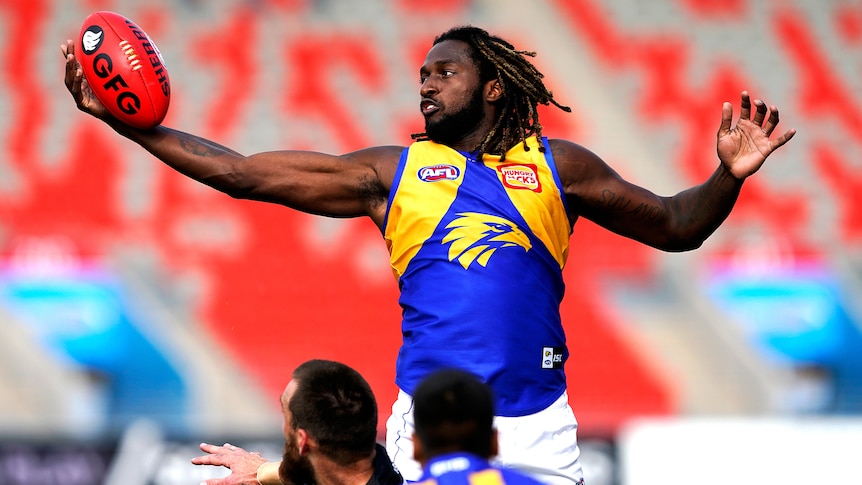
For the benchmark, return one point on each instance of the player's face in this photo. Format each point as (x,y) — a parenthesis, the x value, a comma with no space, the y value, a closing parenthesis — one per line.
(452,96)
(294,466)
(287,421)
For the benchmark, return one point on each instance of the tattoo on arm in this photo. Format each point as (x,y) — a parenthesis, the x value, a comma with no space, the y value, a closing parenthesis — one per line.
(650,212)
(203,148)
(614,201)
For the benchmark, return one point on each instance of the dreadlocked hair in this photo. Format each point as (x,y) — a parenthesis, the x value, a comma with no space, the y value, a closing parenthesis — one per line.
(521,83)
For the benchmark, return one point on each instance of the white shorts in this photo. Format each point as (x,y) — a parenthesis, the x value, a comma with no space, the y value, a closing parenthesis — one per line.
(543,445)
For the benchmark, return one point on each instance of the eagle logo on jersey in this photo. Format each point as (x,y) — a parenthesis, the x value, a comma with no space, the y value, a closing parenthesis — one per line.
(475,237)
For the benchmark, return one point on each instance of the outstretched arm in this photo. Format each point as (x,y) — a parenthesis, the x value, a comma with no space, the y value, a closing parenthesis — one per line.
(349,185)
(683,221)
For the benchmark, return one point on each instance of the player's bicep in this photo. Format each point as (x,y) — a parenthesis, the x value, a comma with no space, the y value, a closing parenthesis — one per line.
(338,186)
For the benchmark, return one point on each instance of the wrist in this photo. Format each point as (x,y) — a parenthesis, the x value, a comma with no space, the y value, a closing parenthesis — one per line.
(267,473)
(727,172)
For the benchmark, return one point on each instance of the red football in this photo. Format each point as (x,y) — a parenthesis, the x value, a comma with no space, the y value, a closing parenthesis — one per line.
(125,69)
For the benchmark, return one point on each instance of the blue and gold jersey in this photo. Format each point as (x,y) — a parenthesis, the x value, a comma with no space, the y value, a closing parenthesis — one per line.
(478,249)
(468,469)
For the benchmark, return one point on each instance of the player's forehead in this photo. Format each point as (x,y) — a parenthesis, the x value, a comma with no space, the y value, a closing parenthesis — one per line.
(448,52)
(287,395)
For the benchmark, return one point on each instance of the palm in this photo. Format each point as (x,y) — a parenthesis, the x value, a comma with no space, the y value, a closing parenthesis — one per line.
(743,148)
(90,103)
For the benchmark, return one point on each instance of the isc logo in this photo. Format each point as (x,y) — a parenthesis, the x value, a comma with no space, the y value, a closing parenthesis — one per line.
(438,172)
(552,357)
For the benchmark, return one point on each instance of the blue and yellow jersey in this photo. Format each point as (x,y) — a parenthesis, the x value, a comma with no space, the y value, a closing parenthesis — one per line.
(478,248)
(468,469)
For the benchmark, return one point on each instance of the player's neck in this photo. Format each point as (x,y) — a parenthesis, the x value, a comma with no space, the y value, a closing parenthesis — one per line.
(328,472)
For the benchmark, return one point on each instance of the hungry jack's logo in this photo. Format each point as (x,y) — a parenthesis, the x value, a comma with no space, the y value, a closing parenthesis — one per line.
(524,176)
(475,237)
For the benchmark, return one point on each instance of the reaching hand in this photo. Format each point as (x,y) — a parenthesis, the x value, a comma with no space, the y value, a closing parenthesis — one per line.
(242,464)
(743,148)
(77,85)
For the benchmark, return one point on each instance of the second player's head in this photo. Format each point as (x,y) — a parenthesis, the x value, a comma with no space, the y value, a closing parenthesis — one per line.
(330,408)
(453,412)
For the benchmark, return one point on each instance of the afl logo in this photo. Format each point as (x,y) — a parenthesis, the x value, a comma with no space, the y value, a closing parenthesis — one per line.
(435,173)
(92,39)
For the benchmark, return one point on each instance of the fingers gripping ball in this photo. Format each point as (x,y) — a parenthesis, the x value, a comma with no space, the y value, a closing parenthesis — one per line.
(124,69)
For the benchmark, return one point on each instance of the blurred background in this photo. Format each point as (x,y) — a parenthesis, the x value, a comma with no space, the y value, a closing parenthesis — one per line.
(142,313)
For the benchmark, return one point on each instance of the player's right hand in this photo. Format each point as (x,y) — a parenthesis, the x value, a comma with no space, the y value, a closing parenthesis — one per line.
(77,85)
(243,465)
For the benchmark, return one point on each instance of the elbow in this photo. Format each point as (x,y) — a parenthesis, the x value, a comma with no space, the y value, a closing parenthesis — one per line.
(682,246)
(682,243)
(238,193)
(687,241)
(232,183)
(687,237)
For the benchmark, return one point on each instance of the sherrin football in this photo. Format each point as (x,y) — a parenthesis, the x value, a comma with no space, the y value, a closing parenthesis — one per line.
(124,69)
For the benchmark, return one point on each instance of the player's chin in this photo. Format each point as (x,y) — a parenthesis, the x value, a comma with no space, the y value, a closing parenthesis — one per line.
(434,123)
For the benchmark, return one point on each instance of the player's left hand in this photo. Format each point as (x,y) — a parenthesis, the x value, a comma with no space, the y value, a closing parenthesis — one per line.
(743,148)
(242,464)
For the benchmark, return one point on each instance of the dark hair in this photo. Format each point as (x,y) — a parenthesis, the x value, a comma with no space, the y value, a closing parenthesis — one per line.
(453,411)
(521,82)
(336,407)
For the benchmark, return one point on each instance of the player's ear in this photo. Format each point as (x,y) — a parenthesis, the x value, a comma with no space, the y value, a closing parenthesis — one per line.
(493,90)
(418,450)
(303,442)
